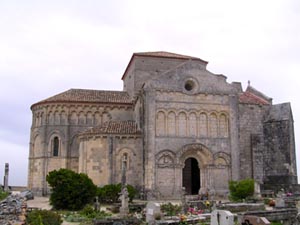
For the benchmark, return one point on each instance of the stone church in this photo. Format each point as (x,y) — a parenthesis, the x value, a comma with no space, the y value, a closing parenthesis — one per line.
(174,125)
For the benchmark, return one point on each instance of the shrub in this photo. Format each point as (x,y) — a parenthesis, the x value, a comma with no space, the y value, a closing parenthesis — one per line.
(170,210)
(240,190)
(3,194)
(110,193)
(44,217)
(70,190)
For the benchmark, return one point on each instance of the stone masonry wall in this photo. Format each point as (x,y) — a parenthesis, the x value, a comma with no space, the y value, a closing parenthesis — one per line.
(64,121)
(250,123)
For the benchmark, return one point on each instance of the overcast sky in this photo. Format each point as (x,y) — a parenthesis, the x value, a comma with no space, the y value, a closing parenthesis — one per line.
(47,47)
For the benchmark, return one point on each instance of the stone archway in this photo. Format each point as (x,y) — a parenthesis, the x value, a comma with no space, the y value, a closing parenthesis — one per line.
(191,176)
(199,158)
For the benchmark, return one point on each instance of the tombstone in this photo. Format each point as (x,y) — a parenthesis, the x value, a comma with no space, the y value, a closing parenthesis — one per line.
(124,209)
(6,173)
(221,217)
(257,192)
(254,220)
(279,203)
(97,204)
(184,204)
(152,211)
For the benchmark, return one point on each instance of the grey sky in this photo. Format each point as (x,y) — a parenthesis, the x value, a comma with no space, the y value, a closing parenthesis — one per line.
(47,47)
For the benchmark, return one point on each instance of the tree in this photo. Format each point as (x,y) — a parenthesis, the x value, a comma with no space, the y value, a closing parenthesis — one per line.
(70,190)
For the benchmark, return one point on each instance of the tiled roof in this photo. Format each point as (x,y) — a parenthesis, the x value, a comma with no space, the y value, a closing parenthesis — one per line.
(114,127)
(89,96)
(165,54)
(250,98)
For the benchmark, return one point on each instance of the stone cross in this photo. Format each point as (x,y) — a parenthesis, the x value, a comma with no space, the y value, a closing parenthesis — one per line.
(6,173)
(123,181)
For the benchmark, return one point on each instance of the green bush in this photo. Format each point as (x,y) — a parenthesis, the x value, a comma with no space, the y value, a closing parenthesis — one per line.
(43,217)
(3,194)
(240,190)
(110,193)
(70,190)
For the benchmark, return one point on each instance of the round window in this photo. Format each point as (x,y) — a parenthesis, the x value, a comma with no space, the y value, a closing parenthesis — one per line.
(189,85)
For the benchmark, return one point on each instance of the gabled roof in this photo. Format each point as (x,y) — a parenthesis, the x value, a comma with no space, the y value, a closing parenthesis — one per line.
(161,54)
(128,127)
(88,96)
(253,96)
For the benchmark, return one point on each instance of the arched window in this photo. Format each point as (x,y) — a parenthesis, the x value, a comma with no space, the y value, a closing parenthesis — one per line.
(213,125)
(223,126)
(192,125)
(160,124)
(182,122)
(55,146)
(124,163)
(171,124)
(203,125)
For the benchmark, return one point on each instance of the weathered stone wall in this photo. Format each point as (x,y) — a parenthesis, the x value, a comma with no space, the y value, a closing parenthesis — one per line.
(64,121)
(101,159)
(183,123)
(250,123)
(143,69)
(278,161)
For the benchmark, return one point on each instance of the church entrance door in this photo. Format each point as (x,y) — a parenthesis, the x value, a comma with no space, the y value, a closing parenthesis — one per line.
(191,176)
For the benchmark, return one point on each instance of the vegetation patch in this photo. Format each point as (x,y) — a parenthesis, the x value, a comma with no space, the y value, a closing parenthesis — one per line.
(70,190)
(43,217)
(241,190)
(110,193)
(3,194)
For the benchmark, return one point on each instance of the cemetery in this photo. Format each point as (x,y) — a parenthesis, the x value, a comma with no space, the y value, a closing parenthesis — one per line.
(116,205)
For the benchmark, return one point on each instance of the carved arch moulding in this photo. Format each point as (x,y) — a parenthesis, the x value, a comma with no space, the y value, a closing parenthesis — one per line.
(165,159)
(198,151)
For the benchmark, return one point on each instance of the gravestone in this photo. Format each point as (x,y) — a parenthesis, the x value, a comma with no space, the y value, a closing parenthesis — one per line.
(124,209)
(97,204)
(152,212)
(254,220)
(221,217)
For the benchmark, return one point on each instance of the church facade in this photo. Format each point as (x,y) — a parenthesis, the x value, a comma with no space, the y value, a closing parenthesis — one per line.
(174,125)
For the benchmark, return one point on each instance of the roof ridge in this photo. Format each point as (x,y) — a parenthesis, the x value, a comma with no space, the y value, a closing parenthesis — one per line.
(89,96)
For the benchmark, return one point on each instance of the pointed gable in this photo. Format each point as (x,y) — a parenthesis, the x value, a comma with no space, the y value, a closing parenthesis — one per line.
(160,54)
(253,96)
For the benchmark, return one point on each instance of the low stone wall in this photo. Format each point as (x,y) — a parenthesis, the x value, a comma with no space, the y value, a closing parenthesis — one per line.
(241,207)
(288,215)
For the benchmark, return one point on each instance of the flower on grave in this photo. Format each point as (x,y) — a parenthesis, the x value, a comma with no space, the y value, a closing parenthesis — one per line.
(195,211)
(207,203)
(182,217)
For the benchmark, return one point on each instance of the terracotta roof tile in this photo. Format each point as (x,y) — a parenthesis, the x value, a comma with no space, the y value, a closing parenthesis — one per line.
(114,127)
(250,98)
(89,96)
(165,54)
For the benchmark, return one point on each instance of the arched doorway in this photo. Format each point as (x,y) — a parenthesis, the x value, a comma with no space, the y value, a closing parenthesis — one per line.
(191,176)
